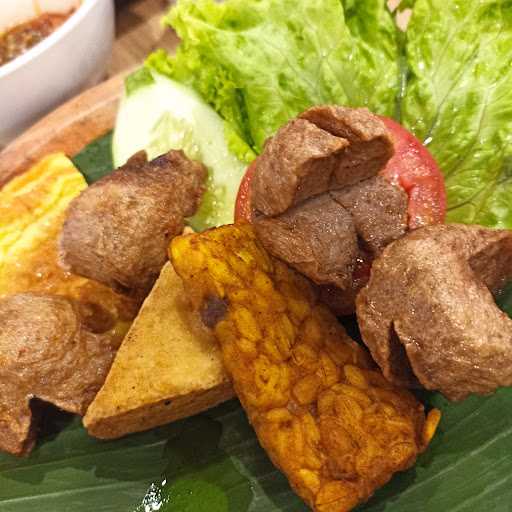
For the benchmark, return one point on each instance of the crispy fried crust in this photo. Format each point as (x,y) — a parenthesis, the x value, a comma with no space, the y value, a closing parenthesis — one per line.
(117,230)
(168,367)
(46,352)
(327,419)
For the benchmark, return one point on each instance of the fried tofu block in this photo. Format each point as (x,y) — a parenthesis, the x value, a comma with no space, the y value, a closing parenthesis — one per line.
(327,418)
(168,367)
(32,210)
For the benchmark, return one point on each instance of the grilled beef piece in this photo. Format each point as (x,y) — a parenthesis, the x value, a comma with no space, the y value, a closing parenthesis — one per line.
(117,231)
(318,238)
(296,164)
(379,211)
(369,148)
(47,352)
(327,147)
(428,314)
(320,206)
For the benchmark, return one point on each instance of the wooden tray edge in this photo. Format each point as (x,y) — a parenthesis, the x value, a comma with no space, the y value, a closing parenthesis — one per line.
(68,129)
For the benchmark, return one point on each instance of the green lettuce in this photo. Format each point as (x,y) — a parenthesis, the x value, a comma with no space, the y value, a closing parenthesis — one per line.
(260,63)
(139,79)
(459,102)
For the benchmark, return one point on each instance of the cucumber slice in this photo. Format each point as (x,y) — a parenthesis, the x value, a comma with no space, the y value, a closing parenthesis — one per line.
(164,114)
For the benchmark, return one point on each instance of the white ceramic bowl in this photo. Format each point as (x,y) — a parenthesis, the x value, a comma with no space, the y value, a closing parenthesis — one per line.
(69,60)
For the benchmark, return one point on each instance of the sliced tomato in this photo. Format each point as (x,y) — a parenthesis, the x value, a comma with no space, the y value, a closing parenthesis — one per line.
(412,167)
(415,170)
(243,204)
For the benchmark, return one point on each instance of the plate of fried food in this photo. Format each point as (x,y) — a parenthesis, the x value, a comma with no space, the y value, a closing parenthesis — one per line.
(270,272)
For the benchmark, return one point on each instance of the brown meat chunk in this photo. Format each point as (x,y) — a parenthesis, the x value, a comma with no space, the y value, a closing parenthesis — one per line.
(118,229)
(318,238)
(342,301)
(327,147)
(46,352)
(336,150)
(370,146)
(379,211)
(297,163)
(428,313)
(335,427)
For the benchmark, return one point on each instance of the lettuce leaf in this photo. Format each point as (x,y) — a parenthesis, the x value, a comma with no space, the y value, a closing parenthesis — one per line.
(259,63)
(138,79)
(459,102)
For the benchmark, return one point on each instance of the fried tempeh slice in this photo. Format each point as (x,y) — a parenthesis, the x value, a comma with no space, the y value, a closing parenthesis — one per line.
(326,417)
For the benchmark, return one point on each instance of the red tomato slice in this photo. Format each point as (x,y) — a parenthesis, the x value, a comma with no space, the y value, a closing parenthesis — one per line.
(415,170)
(243,204)
(412,167)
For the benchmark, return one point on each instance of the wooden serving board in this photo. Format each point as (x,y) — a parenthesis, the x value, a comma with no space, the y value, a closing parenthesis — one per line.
(69,128)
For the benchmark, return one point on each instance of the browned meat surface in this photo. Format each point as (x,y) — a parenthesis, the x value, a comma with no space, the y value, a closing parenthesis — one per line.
(370,146)
(428,313)
(297,163)
(318,238)
(328,153)
(379,211)
(117,231)
(46,352)
(328,147)
(341,301)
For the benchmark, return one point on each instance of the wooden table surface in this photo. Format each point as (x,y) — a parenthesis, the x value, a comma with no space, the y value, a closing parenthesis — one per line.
(138,32)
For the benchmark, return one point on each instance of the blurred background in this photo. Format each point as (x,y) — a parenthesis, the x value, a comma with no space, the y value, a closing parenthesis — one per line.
(51,50)
(139,31)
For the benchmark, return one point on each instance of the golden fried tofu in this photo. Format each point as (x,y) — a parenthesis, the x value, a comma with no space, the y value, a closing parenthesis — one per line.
(168,367)
(32,208)
(327,418)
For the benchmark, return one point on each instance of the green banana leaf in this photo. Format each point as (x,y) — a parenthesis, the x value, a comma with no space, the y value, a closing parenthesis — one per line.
(213,463)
